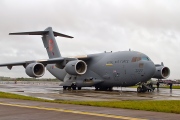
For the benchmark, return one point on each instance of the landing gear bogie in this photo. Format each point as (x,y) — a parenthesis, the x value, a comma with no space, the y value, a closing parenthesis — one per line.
(64,87)
(79,88)
(72,87)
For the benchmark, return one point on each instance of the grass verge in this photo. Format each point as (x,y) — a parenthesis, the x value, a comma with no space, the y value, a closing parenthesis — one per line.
(169,106)
(166,86)
(173,87)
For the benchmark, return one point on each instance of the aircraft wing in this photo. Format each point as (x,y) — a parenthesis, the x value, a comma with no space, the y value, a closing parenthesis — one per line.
(9,65)
(44,62)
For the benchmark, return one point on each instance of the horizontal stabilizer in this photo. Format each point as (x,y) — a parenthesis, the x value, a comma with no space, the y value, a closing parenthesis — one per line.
(40,33)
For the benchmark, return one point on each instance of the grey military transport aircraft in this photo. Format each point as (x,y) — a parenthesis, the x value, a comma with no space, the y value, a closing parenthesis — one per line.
(103,70)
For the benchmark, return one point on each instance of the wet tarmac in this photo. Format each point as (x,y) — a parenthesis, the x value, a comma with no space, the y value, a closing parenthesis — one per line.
(52,91)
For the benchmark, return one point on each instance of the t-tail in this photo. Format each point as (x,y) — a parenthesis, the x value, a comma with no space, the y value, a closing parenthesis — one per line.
(49,41)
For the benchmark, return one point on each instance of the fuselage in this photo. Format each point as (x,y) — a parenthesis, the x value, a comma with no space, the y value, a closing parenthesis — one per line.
(124,68)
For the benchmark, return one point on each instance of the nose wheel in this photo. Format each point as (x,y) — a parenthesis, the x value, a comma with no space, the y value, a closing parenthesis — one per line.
(141,89)
(145,87)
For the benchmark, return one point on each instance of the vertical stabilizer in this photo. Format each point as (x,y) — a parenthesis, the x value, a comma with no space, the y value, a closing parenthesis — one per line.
(50,44)
(48,37)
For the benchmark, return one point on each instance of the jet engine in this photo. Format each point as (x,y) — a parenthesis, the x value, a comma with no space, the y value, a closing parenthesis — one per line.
(161,72)
(35,70)
(76,67)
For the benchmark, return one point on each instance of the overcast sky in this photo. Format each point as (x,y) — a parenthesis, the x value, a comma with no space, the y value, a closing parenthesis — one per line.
(148,26)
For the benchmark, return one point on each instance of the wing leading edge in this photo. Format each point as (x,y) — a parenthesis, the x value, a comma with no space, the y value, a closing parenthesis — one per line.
(60,62)
(57,61)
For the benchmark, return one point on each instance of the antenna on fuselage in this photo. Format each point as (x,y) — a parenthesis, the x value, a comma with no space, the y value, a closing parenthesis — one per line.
(162,63)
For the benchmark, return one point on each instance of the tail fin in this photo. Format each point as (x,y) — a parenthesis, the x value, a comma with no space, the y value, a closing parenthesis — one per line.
(49,41)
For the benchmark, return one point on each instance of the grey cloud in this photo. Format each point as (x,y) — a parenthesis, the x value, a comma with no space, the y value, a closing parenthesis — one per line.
(148,26)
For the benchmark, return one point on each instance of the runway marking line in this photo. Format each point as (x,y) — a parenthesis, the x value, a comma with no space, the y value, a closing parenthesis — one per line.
(73,111)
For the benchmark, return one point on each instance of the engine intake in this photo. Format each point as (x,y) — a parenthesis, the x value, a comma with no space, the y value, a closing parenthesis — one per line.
(35,70)
(161,72)
(76,67)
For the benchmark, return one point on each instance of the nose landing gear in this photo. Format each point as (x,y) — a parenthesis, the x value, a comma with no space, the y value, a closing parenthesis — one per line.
(145,87)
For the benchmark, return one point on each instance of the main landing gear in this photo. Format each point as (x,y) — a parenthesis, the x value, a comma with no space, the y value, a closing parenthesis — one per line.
(73,87)
(145,87)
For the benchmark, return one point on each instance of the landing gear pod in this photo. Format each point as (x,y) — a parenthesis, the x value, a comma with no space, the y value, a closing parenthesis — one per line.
(35,70)
(76,67)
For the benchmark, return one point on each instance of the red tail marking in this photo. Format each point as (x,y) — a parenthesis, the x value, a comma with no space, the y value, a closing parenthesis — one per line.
(51,45)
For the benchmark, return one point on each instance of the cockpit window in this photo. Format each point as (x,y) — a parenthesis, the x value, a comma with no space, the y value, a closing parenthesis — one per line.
(145,58)
(136,59)
(133,59)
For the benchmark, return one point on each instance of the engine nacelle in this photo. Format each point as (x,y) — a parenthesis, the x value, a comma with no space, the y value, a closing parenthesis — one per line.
(161,72)
(35,70)
(76,67)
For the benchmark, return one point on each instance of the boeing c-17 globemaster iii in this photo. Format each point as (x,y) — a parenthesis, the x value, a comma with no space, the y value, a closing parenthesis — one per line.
(103,70)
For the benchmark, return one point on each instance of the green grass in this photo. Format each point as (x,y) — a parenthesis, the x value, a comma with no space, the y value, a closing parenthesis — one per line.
(166,86)
(173,87)
(21,97)
(169,106)
(158,106)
